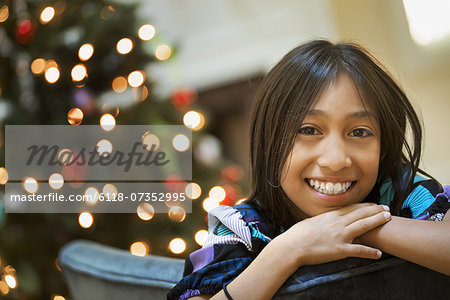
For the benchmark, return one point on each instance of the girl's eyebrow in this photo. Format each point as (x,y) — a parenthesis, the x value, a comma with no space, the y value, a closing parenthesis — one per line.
(357,114)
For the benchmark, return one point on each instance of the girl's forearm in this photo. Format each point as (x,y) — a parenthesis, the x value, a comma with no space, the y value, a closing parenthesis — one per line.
(265,275)
(426,243)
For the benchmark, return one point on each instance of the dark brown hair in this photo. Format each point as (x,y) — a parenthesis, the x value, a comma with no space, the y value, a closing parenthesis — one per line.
(286,94)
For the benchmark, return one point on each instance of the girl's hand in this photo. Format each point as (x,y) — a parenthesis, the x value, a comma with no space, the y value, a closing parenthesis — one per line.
(330,236)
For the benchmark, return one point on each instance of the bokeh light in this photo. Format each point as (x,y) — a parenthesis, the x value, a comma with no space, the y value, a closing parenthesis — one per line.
(136,78)
(139,248)
(58,297)
(104,147)
(145,211)
(91,196)
(107,122)
(30,185)
(4,288)
(146,32)
(210,203)
(177,246)
(163,52)
(85,52)
(85,219)
(201,236)
(65,156)
(177,214)
(240,201)
(193,190)
(52,74)
(194,120)
(124,46)
(37,66)
(181,142)
(3,176)
(56,181)
(47,15)
(110,191)
(119,84)
(75,116)
(4,13)
(150,141)
(79,72)
(218,193)
(10,281)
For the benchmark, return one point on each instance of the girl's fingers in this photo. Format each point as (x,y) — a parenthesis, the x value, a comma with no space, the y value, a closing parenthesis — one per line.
(363,212)
(356,250)
(364,225)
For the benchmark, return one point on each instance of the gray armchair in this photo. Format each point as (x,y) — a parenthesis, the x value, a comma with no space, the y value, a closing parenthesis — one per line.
(95,271)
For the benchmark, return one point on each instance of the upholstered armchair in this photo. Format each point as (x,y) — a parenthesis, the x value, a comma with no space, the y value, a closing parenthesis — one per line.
(95,271)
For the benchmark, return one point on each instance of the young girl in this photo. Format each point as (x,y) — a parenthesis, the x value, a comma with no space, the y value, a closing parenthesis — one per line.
(330,162)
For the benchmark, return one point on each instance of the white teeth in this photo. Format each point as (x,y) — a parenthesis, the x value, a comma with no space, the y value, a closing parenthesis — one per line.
(330,188)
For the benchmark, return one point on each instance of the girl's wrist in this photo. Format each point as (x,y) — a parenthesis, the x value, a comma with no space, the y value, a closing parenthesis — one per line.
(283,245)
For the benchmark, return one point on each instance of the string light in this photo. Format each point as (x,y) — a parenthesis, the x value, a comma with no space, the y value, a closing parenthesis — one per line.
(75,116)
(104,147)
(3,176)
(56,181)
(47,15)
(30,185)
(4,13)
(146,32)
(52,74)
(79,72)
(85,52)
(201,236)
(177,246)
(177,214)
(139,249)
(181,142)
(136,78)
(145,211)
(218,193)
(119,84)
(85,220)
(163,52)
(37,66)
(124,46)
(58,297)
(193,190)
(107,122)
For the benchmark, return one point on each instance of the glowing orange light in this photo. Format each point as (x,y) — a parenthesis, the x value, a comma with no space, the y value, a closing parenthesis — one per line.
(38,66)
(47,15)
(119,84)
(75,116)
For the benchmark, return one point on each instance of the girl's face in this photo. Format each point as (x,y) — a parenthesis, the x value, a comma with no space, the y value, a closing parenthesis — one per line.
(335,158)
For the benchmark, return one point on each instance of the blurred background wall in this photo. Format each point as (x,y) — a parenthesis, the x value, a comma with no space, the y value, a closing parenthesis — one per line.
(223,42)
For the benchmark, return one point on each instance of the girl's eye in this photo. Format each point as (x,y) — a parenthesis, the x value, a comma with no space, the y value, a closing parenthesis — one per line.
(309,131)
(361,132)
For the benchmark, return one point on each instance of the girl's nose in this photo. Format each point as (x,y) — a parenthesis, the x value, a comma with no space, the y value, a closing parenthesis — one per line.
(334,155)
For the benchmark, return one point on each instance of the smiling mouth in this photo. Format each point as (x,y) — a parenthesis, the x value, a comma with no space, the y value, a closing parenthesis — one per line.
(330,188)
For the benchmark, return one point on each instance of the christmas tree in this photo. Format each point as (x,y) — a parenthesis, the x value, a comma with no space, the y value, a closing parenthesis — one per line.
(75,63)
